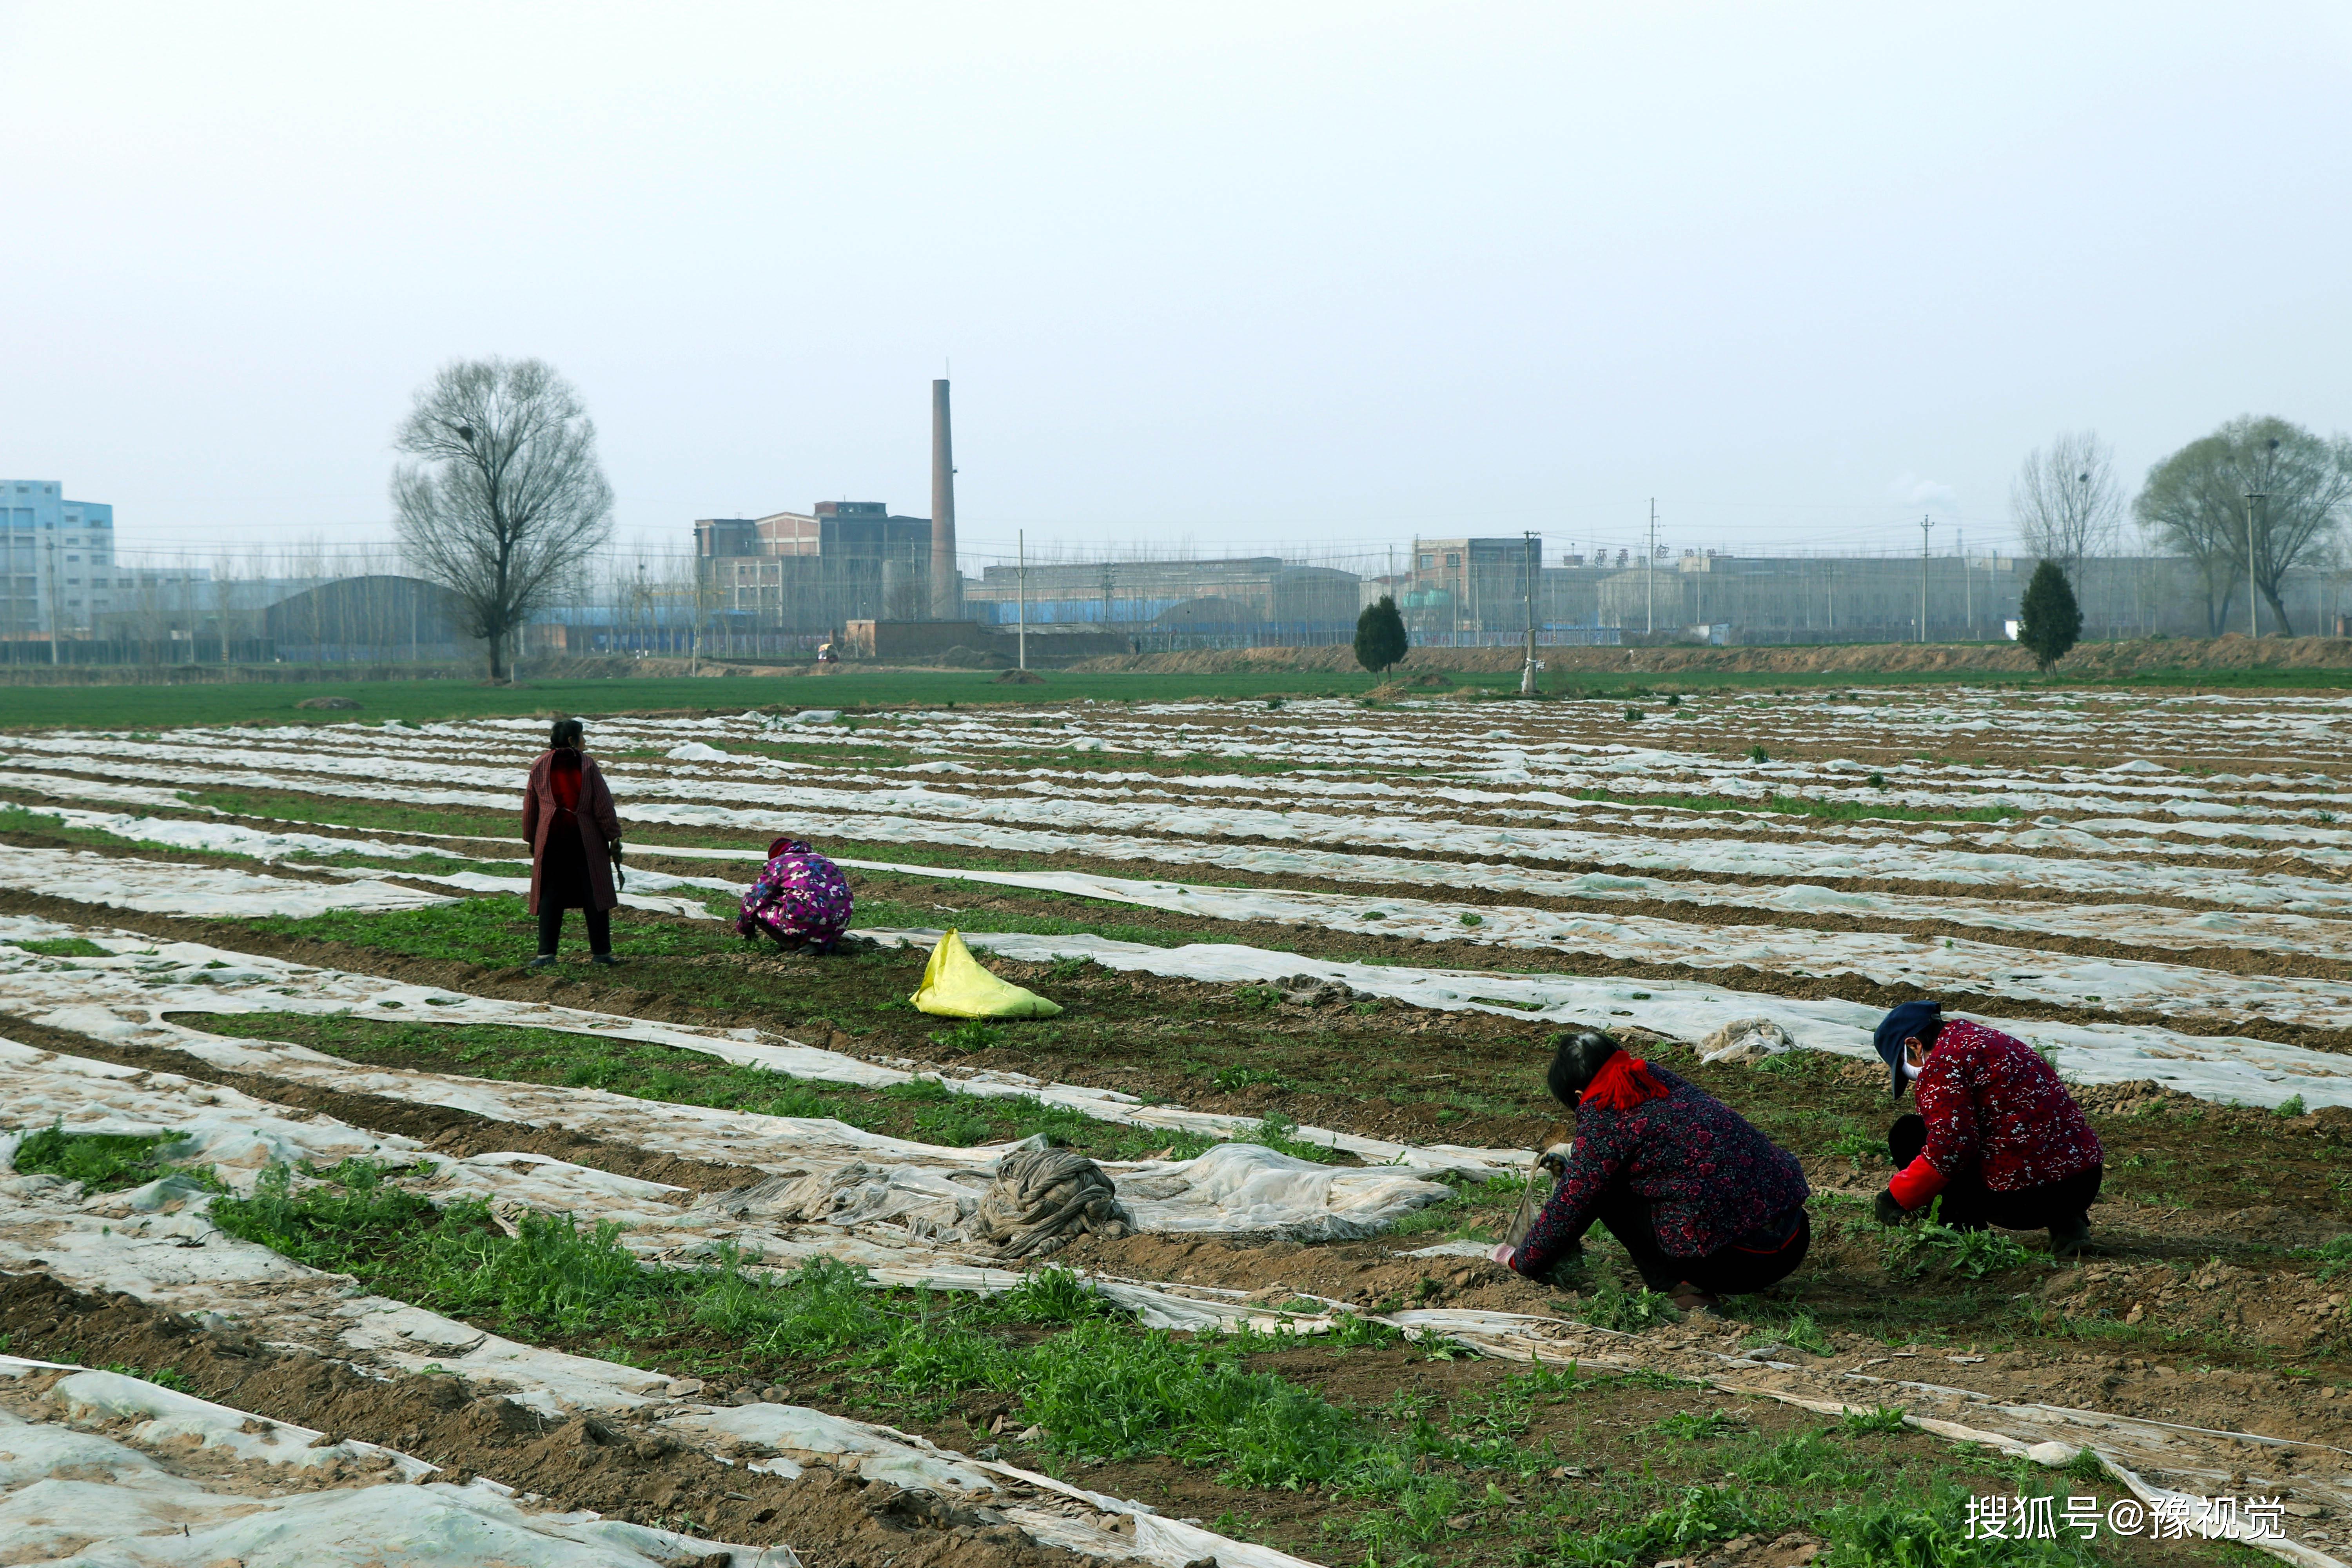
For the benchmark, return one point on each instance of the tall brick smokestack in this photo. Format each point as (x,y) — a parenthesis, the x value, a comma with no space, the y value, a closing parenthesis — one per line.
(946,587)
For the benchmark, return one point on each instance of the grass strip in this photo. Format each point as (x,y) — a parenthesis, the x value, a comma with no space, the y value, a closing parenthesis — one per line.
(923,1109)
(1805,805)
(1100,1389)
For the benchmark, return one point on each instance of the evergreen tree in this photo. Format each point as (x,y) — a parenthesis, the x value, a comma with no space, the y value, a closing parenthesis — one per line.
(1381,641)
(2048,618)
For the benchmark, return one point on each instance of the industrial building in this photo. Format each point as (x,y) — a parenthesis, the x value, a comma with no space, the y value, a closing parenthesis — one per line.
(1204,599)
(809,572)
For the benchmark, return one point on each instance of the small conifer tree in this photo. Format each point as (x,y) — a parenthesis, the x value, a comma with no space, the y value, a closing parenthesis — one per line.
(2048,619)
(1381,641)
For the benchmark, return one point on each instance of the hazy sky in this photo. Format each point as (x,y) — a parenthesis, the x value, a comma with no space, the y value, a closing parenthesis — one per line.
(1249,275)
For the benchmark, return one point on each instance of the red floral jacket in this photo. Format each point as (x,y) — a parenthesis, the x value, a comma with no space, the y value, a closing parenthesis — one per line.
(1992,1104)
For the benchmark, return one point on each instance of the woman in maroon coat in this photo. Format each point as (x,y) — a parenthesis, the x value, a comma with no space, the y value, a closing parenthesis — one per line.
(575,843)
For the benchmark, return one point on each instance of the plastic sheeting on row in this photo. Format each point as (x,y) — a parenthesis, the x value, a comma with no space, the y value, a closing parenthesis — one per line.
(2229,1068)
(156,887)
(313,1311)
(391,1335)
(1814,857)
(126,1498)
(869,1180)
(2135,924)
(1885,960)
(128,997)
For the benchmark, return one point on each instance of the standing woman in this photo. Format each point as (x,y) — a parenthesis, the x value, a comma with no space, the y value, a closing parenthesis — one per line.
(575,843)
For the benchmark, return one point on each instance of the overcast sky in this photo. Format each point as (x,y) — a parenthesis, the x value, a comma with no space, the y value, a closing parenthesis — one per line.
(1251,275)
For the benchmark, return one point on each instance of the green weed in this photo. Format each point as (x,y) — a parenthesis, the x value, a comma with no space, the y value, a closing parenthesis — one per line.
(1928,1245)
(1628,1311)
(61,947)
(1877,1418)
(972,1036)
(1230,1079)
(100,1162)
(1857,1146)
(166,1377)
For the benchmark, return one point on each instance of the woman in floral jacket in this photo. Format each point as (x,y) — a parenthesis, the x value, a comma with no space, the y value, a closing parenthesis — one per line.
(800,897)
(1998,1140)
(1707,1206)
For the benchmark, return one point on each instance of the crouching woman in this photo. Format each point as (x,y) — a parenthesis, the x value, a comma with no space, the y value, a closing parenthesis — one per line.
(1707,1206)
(1997,1140)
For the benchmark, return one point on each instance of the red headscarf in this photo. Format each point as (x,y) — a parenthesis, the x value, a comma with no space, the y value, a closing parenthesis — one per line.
(1622,1083)
(563,777)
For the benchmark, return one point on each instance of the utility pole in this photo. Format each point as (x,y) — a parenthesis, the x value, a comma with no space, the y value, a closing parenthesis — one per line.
(2253,624)
(1020,545)
(1650,575)
(1968,583)
(1534,565)
(56,604)
(1924,524)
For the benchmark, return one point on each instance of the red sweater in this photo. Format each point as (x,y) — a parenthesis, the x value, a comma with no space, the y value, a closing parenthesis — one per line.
(1990,1103)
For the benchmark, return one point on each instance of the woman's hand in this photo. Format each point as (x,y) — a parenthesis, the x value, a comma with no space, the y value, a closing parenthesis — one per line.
(1503,1253)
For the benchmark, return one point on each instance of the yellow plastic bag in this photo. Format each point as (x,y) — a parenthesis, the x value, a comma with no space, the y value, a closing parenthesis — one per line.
(955,986)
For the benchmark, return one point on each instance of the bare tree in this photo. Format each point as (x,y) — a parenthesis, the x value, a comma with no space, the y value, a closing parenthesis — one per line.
(2066,502)
(2196,501)
(507,498)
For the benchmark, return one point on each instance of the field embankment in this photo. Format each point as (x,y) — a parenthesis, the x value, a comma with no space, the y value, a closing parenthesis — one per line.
(2142,655)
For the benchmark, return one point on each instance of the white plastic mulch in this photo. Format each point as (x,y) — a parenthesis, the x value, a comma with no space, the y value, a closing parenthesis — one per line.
(2223,1068)
(156,887)
(1939,964)
(122,1498)
(156,1243)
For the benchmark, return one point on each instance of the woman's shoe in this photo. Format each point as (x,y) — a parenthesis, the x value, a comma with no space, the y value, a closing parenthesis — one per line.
(604,958)
(544,960)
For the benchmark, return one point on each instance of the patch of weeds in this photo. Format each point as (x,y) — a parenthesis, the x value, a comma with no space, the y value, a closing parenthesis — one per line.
(1929,1245)
(1073,967)
(1633,715)
(61,947)
(971,1035)
(2335,1257)
(1700,1516)
(100,1162)
(1799,1328)
(1611,1306)
(1471,920)
(951,1126)
(1052,1294)
(351,1218)
(1853,1144)
(168,1377)
(2291,1106)
(1697,1425)
(1260,998)
(1893,1535)
(1228,1079)
(1876,780)
(1274,1132)
(1877,1418)
(1758,754)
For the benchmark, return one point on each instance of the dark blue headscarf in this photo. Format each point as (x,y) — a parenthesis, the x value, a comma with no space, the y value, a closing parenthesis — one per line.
(1911,1020)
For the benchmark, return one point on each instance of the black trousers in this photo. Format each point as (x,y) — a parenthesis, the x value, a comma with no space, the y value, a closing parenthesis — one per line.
(1732,1271)
(1969,1204)
(550,928)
